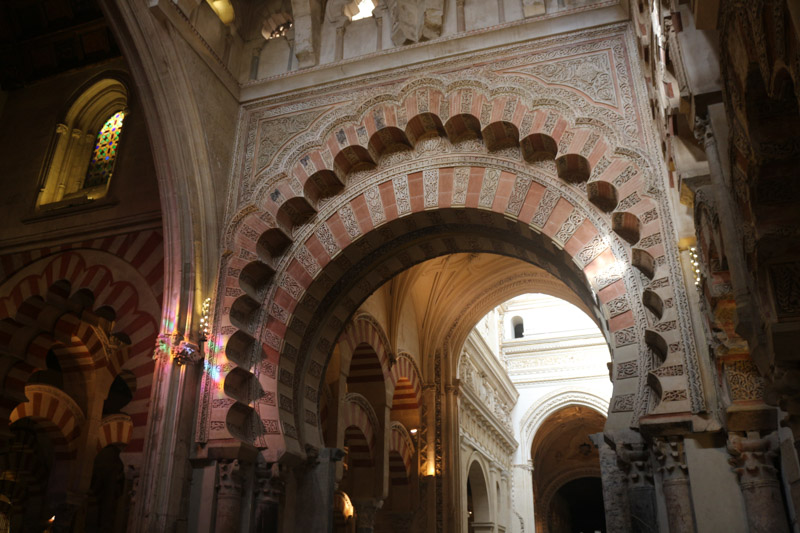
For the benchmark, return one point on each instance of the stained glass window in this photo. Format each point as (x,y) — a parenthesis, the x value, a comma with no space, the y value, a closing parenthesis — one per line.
(105,152)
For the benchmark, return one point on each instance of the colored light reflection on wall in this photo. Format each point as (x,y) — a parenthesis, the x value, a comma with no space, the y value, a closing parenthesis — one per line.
(168,324)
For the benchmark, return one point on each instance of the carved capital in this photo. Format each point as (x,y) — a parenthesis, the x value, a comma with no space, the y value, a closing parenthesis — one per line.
(671,458)
(163,348)
(703,131)
(269,484)
(753,458)
(176,348)
(366,511)
(186,353)
(229,481)
(634,460)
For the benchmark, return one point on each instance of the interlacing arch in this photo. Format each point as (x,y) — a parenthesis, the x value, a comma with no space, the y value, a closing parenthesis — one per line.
(552,190)
(70,304)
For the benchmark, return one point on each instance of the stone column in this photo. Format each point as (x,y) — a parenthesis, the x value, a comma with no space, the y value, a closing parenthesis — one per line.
(161,485)
(426,443)
(339,50)
(634,458)
(54,178)
(316,481)
(453,499)
(306,34)
(72,158)
(365,514)
(229,496)
(675,484)
(752,459)
(378,14)
(269,489)
(615,494)
(460,21)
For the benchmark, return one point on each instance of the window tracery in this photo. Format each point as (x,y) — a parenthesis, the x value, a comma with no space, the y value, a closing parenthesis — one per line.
(104,156)
(85,147)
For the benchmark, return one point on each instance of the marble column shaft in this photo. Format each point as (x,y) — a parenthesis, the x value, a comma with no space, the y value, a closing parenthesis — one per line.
(675,485)
(229,496)
(752,459)
(615,494)
(635,461)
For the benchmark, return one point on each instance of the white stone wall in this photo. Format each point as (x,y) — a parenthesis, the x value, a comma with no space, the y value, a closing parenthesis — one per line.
(561,360)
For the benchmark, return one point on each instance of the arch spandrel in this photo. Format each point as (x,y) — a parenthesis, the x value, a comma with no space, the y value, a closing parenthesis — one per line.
(415,190)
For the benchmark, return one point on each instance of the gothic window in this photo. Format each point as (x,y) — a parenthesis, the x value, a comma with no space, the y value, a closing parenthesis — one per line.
(85,147)
(519,327)
(364,7)
(105,152)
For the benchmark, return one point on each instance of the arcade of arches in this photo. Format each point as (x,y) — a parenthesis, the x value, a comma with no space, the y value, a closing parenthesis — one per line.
(400,265)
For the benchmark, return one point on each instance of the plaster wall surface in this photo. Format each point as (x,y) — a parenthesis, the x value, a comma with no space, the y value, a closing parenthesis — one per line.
(28,128)
(560,361)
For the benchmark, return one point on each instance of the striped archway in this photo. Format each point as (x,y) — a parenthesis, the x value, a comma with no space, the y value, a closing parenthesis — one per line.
(434,168)
(360,429)
(362,339)
(401,455)
(95,311)
(58,414)
(115,429)
(407,383)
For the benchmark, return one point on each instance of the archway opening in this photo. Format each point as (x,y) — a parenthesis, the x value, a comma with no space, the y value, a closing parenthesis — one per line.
(577,507)
(478,500)
(461,263)
(564,464)
(349,278)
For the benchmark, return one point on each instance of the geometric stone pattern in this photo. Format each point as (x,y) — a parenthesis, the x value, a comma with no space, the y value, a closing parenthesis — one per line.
(433,175)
